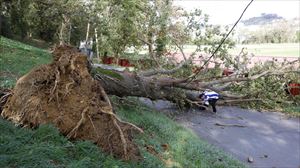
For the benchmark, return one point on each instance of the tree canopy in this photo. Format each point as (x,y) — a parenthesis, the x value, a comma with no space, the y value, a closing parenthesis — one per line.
(119,25)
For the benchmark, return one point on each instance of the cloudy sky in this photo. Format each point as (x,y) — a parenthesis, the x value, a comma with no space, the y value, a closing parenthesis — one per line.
(227,11)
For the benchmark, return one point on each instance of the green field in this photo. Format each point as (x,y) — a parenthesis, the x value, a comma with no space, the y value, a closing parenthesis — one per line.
(281,50)
(46,147)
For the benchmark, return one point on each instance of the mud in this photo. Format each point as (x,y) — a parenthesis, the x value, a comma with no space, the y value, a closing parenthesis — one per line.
(64,94)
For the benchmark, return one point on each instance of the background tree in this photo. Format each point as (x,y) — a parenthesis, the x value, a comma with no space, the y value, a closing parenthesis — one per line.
(277,31)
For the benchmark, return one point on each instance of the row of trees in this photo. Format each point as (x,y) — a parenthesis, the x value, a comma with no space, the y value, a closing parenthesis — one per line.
(117,25)
(42,19)
(279,31)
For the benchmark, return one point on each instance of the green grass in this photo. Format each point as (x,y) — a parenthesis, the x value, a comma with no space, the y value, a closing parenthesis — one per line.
(282,50)
(16,59)
(108,72)
(46,147)
(292,110)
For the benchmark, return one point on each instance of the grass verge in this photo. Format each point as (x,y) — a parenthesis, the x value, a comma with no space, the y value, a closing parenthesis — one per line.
(16,59)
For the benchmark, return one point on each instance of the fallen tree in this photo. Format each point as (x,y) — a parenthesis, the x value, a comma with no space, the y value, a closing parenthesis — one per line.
(160,84)
(66,94)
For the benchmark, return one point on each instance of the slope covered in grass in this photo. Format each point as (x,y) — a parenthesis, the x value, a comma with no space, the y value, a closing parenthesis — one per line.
(164,143)
(17,59)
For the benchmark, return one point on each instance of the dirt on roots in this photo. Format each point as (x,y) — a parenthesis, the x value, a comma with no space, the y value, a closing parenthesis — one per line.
(64,94)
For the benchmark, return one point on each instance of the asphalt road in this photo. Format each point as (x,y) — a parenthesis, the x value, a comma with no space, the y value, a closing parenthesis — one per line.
(270,139)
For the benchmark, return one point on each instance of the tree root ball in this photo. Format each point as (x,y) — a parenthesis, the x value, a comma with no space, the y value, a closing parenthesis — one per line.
(63,93)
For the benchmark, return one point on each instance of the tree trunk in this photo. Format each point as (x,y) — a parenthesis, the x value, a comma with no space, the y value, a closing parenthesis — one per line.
(61,32)
(69,33)
(97,45)
(87,32)
(130,84)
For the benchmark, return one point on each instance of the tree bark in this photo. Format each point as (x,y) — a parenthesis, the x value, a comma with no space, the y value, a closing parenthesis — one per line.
(179,91)
(87,32)
(97,45)
(131,84)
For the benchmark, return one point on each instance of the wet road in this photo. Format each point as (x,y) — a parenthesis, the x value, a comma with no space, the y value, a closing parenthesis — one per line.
(270,138)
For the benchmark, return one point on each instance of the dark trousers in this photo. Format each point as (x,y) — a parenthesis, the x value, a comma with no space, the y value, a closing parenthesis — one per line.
(213,102)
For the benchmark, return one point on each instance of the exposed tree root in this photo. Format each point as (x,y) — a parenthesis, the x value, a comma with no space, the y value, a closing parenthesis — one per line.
(4,95)
(73,132)
(63,93)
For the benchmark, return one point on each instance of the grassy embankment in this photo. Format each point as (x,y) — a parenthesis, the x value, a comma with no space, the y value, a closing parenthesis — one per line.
(45,147)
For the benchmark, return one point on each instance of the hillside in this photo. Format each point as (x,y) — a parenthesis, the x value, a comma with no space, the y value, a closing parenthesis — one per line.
(164,144)
(261,20)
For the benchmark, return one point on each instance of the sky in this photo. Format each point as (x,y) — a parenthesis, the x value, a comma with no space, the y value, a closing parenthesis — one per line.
(226,12)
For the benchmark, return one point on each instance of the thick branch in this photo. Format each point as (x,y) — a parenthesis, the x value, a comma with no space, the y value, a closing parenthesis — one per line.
(181,50)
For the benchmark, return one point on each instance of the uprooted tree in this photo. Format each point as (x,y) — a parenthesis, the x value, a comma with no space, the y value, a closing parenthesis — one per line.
(64,93)
(71,94)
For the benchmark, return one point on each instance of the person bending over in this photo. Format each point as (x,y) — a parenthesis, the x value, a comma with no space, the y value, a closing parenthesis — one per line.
(210,98)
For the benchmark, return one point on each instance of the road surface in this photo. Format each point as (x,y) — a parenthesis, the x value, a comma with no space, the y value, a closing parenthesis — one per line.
(271,139)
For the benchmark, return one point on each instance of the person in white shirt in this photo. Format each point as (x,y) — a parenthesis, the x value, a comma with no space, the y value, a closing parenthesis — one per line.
(210,98)
(82,46)
(89,47)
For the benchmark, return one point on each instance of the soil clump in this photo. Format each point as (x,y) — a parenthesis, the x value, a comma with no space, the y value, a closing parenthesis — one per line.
(63,93)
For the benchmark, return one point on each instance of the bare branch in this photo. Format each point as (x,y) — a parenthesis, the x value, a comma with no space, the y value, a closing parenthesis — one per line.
(226,80)
(151,53)
(229,125)
(181,50)
(223,102)
(144,41)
